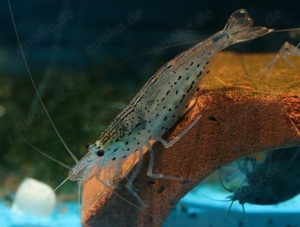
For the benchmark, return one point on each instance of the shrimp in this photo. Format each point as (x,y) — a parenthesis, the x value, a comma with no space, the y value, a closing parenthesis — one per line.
(265,182)
(285,50)
(273,181)
(162,101)
(160,104)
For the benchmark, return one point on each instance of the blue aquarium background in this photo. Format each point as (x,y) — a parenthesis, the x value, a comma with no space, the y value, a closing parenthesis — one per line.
(88,59)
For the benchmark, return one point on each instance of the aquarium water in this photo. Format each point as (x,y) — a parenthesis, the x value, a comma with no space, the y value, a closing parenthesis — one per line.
(199,208)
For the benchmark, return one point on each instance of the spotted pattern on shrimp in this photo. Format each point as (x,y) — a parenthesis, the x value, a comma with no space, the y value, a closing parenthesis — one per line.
(161,102)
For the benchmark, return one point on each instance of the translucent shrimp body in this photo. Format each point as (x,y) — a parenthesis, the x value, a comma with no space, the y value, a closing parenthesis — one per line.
(162,101)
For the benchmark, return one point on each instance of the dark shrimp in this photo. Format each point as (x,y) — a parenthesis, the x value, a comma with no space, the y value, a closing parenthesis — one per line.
(275,180)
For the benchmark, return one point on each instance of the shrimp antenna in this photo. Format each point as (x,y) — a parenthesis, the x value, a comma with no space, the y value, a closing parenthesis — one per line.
(218,200)
(59,186)
(64,181)
(34,86)
(177,45)
(287,30)
(35,148)
(146,53)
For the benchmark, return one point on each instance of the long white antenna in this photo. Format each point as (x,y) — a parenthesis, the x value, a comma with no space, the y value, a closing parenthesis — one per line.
(61,184)
(53,159)
(287,30)
(35,88)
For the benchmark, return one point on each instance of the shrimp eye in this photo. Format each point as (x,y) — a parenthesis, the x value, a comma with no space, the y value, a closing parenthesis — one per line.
(100,153)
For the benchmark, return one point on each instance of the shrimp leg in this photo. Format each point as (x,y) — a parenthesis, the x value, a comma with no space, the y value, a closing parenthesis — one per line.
(151,165)
(129,184)
(286,49)
(166,145)
(170,143)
